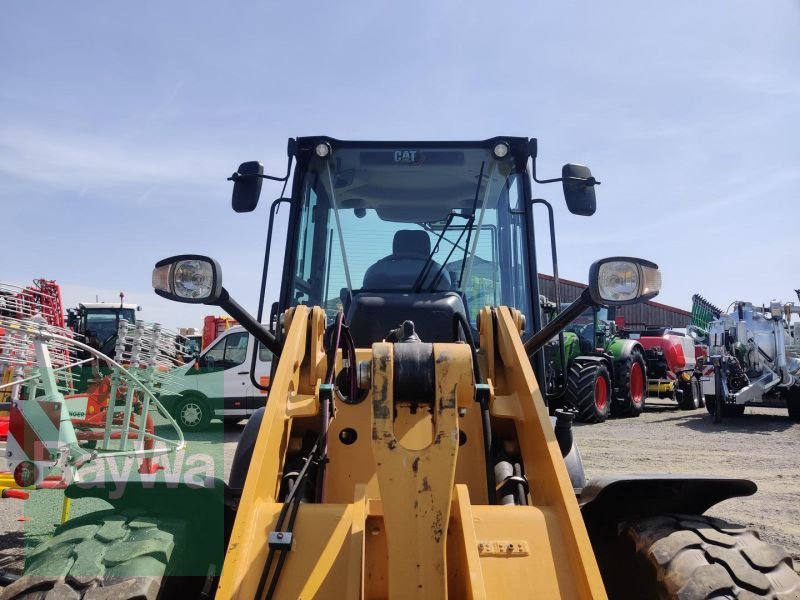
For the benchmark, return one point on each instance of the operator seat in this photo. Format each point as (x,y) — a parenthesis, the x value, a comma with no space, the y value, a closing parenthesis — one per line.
(387,297)
(399,271)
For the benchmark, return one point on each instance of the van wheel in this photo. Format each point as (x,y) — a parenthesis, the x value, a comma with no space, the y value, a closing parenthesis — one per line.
(192,413)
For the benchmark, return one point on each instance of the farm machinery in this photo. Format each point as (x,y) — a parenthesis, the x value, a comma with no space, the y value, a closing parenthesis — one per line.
(50,429)
(97,322)
(406,449)
(755,351)
(674,364)
(605,374)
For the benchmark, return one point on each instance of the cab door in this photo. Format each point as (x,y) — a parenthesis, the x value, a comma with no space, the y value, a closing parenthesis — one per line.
(257,398)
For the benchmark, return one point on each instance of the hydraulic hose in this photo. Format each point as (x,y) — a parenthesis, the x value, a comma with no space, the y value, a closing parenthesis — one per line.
(460,322)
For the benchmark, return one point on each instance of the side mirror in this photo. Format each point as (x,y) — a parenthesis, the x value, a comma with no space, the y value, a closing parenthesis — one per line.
(247,186)
(190,278)
(579,189)
(621,280)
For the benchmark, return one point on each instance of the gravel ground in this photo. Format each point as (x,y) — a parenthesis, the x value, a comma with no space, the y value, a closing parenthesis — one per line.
(763,446)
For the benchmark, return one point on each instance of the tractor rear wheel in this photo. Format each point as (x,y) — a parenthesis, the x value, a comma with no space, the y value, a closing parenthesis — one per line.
(632,384)
(692,394)
(104,555)
(589,391)
(693,556)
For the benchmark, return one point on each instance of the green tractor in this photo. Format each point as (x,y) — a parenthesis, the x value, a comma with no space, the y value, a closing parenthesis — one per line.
(592,370)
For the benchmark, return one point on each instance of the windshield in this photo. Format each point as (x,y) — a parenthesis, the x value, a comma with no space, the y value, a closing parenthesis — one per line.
(411,220)
(192,344)
(583,326)
(102,322)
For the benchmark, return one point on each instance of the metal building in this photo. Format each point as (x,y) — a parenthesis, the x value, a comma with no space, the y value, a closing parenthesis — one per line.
(649,313)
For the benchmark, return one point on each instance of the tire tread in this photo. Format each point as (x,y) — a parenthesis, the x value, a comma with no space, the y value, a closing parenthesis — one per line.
(117,556)
(697,557)
(580,390)
(625,407)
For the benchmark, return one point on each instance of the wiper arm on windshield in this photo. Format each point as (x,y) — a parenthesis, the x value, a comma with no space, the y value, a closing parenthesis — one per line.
(467,228)
(417,287)
(474,208)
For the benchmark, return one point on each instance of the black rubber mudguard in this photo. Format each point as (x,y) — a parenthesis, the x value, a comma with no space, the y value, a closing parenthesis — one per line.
(605,501)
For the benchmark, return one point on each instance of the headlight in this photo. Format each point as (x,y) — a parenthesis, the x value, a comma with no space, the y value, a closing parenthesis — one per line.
(188,278)
(623,280)
(618,281)
(193,279)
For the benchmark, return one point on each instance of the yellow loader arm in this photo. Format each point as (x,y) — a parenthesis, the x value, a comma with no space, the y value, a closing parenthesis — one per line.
(403,509)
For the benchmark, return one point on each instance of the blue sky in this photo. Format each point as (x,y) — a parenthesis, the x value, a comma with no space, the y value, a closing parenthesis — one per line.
(119,123)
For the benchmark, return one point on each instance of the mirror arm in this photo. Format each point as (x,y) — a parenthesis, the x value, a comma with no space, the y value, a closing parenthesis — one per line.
(237,176)
(533,151)
(564,318)
(246,320)
(587,181)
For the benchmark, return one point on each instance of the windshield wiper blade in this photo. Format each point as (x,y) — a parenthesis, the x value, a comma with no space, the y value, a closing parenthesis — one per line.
(474,209)
(417,287)
(467,227)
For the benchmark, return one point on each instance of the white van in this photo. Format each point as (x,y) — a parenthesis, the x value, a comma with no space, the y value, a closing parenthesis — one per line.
(217,384)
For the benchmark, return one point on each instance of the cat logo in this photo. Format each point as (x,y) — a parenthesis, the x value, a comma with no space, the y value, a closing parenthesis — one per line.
(407,157)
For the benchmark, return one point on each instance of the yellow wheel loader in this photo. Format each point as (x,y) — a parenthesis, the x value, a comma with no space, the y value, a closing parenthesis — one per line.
(406,450)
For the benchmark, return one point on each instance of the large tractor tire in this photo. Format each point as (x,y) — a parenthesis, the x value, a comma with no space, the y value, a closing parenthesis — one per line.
(692,394)
(632,384)
(589,391)
(104,555)
(695,557)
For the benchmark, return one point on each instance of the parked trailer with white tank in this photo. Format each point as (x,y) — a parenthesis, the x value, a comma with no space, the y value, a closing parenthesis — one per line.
(756,355)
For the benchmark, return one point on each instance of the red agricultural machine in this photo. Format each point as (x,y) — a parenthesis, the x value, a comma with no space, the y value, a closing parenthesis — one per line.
(214,326)
(674,364)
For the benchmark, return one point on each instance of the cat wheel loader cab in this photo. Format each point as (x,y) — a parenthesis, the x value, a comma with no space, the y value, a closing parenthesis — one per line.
(405,450)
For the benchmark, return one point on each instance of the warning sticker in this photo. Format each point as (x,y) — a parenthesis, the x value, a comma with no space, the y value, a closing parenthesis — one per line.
(77,406)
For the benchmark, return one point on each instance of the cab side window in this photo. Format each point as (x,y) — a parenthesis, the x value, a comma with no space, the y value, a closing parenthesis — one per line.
(228,352)
(264,354)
